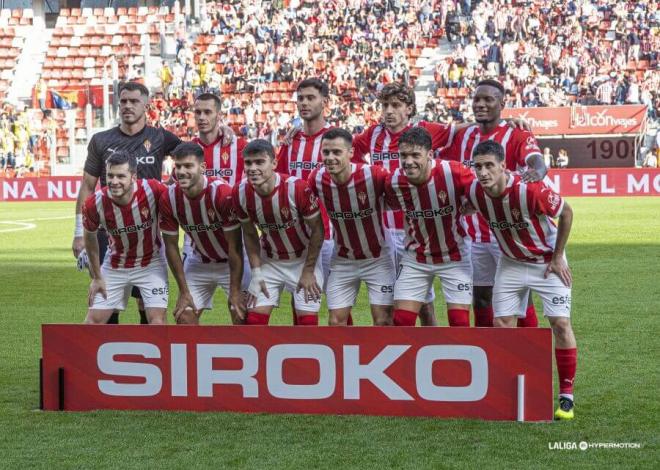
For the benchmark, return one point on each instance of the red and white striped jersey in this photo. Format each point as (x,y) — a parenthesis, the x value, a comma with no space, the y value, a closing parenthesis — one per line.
(279,216)
(301,157)
(378,146)
(518,144)
(204,218)
(134,239)
(521,218)
(434,233)
(224,161)
(355,209)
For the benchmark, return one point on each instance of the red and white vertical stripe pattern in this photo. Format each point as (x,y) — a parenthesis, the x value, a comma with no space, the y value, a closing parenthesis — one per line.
(134,238)
(521,218)
(279,216)
(355,209)
(201,219)
(224,161)
(434,233)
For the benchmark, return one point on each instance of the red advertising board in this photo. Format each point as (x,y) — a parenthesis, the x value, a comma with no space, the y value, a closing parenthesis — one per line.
(445,372)
(605,181)
(625,119)
(52,188)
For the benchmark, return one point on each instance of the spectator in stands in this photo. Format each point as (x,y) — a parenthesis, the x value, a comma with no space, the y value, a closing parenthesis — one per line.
(548,158)
(562,159)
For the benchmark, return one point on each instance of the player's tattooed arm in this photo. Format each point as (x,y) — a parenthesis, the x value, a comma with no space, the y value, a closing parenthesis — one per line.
(184,300)
(308,282)
(536,169)
(86,188)
(227,134)
(253,250)
(558,264)
(235,253)
(97,286)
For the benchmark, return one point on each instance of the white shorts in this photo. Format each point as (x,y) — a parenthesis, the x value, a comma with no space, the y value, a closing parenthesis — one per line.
(395,241)
(285,274)
(346,275)
(514,281)
(327,251)
(151,280)
(414,279)
(485,257)
(203,279)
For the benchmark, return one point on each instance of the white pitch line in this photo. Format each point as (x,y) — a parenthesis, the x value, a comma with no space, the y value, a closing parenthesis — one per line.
(45,218)
(23,226)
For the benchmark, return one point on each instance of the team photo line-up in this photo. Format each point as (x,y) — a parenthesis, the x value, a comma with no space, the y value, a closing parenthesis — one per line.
(394,207)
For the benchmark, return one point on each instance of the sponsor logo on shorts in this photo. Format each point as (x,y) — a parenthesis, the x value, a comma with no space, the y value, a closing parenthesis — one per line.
(201,227)
(561,300)
(351,214)
(430,213)
(131,228)
(504,225)
(387,289)
(160,290)
(219,172)
(383,156)
(303,165)
(464,286)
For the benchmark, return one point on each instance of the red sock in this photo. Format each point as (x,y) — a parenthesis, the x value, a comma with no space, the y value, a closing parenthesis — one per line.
(308,320)
(483,316)
(254,318)
(566,365)
(458,317)
(530,320)
(349,321)
(404,317)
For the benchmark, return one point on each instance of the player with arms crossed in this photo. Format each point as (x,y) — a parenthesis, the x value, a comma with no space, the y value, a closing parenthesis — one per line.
(522,154)
(202,206)
(285,256)
(352,194)
(127,208)
(520,215)
(430,193)
(379,145)
(148,144)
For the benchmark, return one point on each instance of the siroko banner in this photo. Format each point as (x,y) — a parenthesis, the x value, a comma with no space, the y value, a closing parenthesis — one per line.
(575,120)
(605,181)
(447,372)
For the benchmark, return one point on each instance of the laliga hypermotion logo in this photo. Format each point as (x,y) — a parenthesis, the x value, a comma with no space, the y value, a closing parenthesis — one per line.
(554,200)
(362,196)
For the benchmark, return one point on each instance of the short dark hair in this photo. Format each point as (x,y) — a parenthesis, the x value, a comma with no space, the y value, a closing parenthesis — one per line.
(489,147)
(120,157)
(259,146)
(417,136)
(316,83)
(186,149)
(133,86)
(208,97)
(493,83)
(338,133)
(400,91)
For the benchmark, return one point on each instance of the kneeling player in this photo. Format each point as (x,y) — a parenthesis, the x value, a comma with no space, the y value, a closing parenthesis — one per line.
(352,195)
(285,256)
(128,210)
(203,207)
(520,215)
(429,192)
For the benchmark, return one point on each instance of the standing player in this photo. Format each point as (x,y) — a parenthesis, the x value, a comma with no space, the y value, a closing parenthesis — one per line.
(148,144)
(352,194)
(203,207)
(303,154)
(429,193)
(379,145)
(520,215)
(287,213)
(523,154)
(127,208)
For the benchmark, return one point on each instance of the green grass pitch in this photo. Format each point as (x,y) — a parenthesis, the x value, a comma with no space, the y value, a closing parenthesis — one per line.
(614,252)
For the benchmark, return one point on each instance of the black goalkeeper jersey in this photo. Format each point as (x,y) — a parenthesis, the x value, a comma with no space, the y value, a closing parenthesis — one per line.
(150,146)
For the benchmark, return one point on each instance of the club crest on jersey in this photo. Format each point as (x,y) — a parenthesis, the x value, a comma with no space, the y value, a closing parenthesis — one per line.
(144,212)
(224,156)
(516,214)
(362,196)
(147,144)
(211,214)
(285,212)
(442,195)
